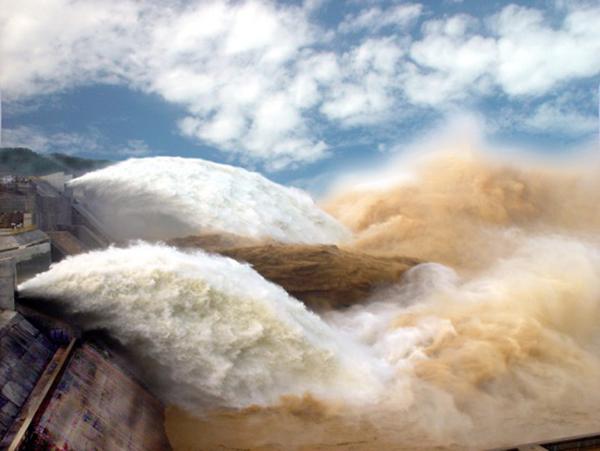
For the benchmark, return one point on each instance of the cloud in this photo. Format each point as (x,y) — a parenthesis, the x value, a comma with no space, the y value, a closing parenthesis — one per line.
(261,80)
(533,57)
(59,44)
(135,148)
(376,18)
(366,85)
(520,53)
(559,118)
(89,142)
(36,139)
(241,79)
(450,62)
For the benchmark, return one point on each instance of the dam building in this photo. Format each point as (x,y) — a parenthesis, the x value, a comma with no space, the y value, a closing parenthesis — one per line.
(60,389)
(20,239)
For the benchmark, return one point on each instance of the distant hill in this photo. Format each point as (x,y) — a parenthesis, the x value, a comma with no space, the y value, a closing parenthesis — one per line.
(23,161)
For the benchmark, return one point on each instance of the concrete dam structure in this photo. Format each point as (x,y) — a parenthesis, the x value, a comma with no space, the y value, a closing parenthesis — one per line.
(59,390)
(72,395)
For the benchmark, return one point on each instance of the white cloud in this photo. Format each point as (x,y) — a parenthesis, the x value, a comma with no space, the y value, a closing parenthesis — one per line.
(242,83)
(57,44)
(24,137)
(559,117)
(254,76)
(450,61)
(135,148)
(376,18)
(35,139)
(90,141)
(522,54)
(533,57)
(229,64)
(367,85)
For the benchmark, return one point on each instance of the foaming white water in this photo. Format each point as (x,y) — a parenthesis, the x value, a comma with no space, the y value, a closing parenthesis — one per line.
(167,197)
(207,328)
(439,359)
(517,344)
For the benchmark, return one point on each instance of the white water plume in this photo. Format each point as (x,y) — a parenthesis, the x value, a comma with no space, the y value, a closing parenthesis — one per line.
(208,329)
(510,355)
(167,197)
(440,358)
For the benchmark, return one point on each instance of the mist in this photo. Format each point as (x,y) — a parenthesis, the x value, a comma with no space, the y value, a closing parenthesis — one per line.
(491,341)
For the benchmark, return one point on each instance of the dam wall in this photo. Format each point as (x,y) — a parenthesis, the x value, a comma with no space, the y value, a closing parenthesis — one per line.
(97,405)
(40,222)
(90,229)
(78,396)
(7,284)
(57,210)
(52,207)
(89,238)
(24,353)
(30,250)
(59,390)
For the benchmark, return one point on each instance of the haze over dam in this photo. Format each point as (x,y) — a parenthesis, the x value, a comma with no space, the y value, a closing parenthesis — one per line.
(498,325)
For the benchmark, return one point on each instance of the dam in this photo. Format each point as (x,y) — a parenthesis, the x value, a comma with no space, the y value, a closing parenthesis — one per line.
(58,388)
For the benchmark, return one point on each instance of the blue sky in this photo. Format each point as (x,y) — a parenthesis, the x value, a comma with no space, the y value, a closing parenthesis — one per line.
(296,90)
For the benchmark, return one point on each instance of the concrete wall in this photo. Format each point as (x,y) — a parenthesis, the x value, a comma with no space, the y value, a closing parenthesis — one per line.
(30,260)
(57,180)
(50,211)
(39,261)
(28,220)
(89,238)
(97,405)
(81,217)
(25,353)
(7,284)
(64,243)
(30,250)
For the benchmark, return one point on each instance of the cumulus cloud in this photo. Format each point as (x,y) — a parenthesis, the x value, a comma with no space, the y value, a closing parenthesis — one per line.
(451,62)
(135,148)
(90,141)
(533,56)
(557,117)
(520,52)
(376,18)
(260,80)
(367,83)
(60,43)
(35,139)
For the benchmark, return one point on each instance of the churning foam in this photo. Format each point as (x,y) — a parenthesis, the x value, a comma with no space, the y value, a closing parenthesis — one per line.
(510,355)
(211,330)
(168,197)
(441,359)
(495,342)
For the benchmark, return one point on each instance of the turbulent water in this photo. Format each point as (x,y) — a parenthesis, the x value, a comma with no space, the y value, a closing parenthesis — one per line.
(467,210)
(167,197)
(495,342)
(210,330)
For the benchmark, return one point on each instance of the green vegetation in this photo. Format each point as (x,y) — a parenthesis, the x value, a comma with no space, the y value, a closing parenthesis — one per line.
(23,161)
